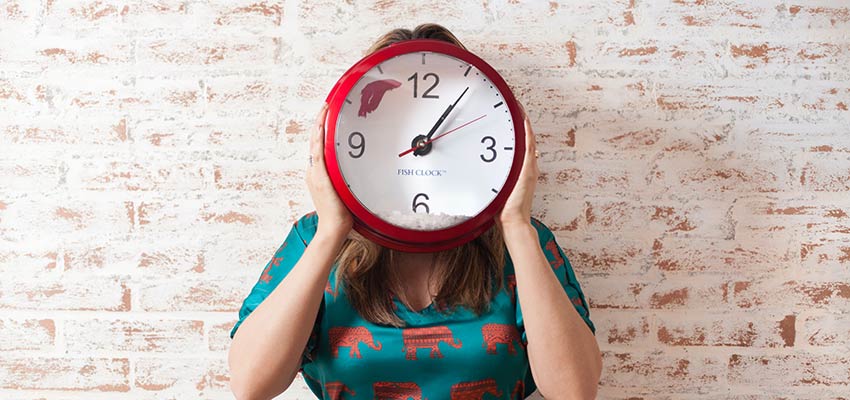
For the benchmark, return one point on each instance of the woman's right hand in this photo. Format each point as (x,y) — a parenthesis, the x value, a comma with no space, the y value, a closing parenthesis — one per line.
(334,217)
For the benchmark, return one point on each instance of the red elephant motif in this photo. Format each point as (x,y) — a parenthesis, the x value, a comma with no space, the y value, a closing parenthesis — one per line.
(474,390)
(511,284)
(275,262)
(519,390)
(350,336)
(553,248)
(429,338)
(397,391)
(494,334)
(336,390)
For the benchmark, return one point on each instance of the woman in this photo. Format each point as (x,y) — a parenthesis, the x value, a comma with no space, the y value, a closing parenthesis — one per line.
(362,321)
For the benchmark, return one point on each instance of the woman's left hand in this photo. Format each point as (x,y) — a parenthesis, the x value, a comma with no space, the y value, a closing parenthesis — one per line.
(517,209)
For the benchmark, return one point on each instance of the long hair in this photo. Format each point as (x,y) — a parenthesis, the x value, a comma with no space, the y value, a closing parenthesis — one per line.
(468,275)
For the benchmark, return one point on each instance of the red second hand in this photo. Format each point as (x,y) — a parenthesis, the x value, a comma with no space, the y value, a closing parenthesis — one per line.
(440,135)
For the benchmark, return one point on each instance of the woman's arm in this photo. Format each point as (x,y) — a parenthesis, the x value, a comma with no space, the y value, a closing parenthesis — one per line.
(562,350)
(265,353)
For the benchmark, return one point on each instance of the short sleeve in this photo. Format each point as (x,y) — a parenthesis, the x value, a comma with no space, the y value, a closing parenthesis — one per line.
(283,260)
(563,270)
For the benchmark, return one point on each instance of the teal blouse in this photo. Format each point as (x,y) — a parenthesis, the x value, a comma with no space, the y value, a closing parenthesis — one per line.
(439,355)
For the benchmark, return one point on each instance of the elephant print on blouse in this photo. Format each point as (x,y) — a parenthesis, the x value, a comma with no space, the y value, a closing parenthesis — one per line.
(429,338)
(275,262)
(552,247)
(519,390)
(474,390)
(397,391)
(494,334)
(336,390)
(350,336)
(511,283)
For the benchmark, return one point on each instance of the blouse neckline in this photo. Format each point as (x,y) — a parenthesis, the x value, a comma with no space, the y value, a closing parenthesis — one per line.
(427,310)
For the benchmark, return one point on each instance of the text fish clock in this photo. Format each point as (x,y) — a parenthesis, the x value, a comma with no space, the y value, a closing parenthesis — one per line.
(423,143)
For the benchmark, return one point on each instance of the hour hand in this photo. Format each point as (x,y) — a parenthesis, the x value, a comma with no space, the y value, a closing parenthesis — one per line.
(424,149)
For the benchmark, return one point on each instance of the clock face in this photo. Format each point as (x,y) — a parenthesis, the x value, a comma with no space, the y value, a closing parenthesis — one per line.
(401,174)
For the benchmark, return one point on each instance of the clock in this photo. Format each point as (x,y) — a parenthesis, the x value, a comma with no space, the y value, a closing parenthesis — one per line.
(424,142)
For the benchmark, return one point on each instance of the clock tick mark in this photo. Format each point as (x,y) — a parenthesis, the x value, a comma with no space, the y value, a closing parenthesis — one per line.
(494,190)
(348,101)
(506,148)
(380,70)
(467,70)
(498,104)
(423,58)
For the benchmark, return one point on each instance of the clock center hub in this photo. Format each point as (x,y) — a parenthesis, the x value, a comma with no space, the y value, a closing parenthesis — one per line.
(422,148)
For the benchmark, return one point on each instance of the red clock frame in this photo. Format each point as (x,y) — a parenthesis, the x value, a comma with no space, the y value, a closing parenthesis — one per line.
(375,228)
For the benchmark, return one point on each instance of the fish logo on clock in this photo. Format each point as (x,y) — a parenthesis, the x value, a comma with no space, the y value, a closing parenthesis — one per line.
(424,142)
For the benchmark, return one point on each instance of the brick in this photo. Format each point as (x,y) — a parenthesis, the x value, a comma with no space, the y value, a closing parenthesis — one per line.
(702,218)
(826,330)
(761,57)
(637,58)
(68,293)
(761,293)
(27,334)
(818,16)
(762,330)
(219,335)
(183,52)
(53,373)
(824,254)
(596,257)
(736,256)
(102,258)
(15,95)
(827,173)
(150,175)
(195,295)
(198,375)
(33,175)
(66,217)
(81,93)
(257,176)
(703,292)
(641,136)
(18,13)
(238,220)
(207,259)
(617,328)
(802,137)
(745,172)
(662,372)
(22,262)
(799,369)
(815,219)
(238,95)
(237,135)
(702,16)
(100,131)
(86,16)
(86,336)
(600,177)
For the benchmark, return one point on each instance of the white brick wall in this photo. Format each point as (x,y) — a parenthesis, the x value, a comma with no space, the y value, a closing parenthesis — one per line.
(695,164)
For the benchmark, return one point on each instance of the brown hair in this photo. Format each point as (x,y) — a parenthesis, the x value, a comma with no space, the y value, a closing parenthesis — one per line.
(469,275)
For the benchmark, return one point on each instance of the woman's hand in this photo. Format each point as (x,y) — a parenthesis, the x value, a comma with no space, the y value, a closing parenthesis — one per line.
(517,209)
(334,217)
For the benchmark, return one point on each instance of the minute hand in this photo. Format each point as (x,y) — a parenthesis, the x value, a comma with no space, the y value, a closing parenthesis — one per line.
(445,114)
